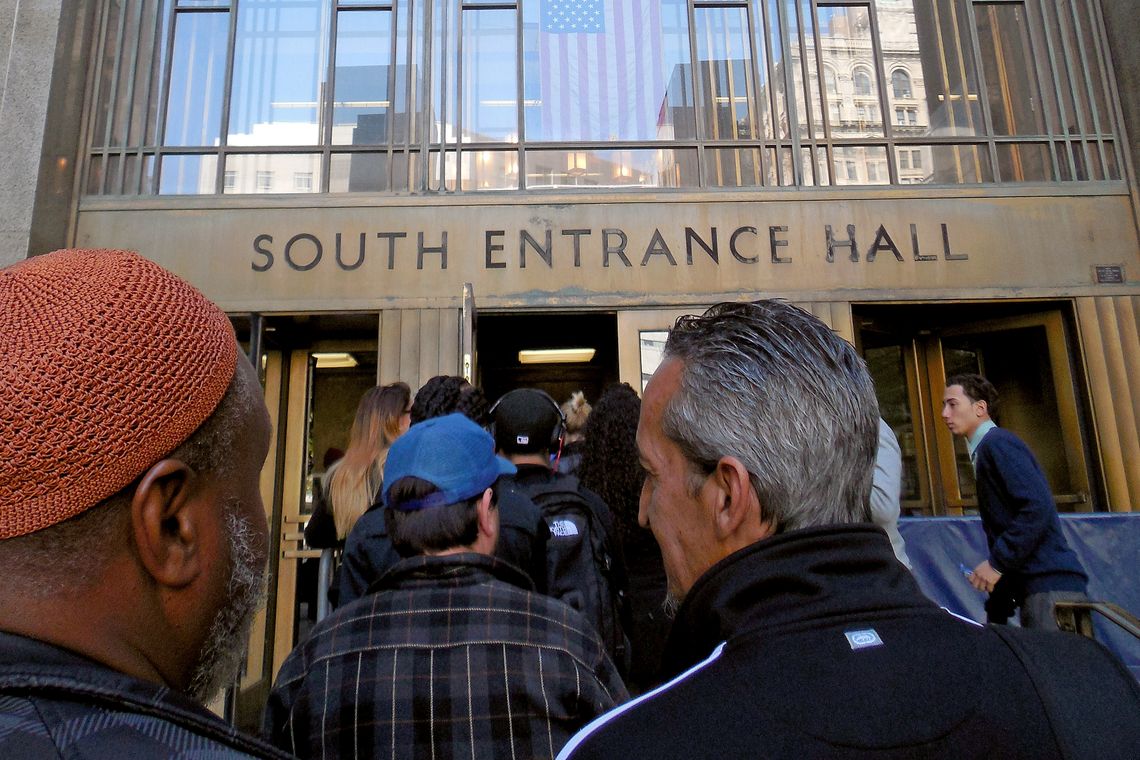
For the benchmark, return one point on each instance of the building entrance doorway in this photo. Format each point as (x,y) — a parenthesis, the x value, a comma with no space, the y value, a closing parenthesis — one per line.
(315,369)
(538,351)
(1026,349)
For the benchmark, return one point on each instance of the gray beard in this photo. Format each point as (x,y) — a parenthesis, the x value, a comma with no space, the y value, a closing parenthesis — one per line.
(223,652)
(670,605)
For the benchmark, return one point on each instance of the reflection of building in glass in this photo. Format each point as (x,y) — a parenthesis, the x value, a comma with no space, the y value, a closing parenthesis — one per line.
(699,96)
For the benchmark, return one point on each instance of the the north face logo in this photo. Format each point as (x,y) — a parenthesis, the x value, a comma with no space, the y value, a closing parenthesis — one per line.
(563,528)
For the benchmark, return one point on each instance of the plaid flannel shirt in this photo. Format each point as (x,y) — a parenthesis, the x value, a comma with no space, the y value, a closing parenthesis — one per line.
(446,657)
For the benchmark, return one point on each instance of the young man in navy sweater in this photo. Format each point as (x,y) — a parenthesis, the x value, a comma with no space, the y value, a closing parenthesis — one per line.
(1030,563)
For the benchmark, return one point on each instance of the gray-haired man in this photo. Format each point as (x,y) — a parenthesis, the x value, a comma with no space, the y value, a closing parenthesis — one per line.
(798,634)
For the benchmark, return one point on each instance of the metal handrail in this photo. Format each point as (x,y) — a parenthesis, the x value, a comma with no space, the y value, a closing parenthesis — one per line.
(1077,617)
(324,581)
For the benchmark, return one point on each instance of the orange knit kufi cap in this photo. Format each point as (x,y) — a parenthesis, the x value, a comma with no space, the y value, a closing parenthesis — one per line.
(109,363)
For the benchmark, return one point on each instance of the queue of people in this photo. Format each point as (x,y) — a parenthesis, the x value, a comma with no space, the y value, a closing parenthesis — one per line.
(500,607)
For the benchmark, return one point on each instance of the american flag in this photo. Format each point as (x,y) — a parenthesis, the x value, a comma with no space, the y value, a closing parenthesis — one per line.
(603,74)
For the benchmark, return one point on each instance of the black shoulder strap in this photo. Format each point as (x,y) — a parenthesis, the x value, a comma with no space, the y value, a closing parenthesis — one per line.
(1078,683)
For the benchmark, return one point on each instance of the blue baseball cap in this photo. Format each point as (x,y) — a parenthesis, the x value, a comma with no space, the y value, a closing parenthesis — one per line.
(452,453)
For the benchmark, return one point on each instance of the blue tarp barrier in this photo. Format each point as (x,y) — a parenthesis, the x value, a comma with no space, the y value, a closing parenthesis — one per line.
(1108,546)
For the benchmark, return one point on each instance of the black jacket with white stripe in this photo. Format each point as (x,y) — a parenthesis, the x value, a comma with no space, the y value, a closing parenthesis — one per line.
(831,650)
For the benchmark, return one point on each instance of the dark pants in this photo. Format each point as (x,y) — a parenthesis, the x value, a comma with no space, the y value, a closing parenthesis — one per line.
(1037,610)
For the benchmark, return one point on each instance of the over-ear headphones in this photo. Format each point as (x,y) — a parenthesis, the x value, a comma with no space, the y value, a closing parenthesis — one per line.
(557,435)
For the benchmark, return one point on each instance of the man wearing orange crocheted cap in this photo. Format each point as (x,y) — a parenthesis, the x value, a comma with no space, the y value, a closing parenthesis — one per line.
(132,532)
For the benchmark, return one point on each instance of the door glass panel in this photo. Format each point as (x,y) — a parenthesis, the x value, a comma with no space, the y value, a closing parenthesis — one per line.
(652,349)
(959,356)
(334,392)
(1017,363)
(887,365)
(910,351)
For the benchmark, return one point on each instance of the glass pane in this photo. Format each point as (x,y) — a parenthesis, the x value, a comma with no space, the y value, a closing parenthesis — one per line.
(361,104)
(130,34)
(359,173)
(783,120)
(135,179)
(887,367)
(491,170)
(197,79)
(1093,56)
(95,175)
(1024,162)
(652,350)
(279,72)
(1007,64)
(490,100)
(806,166)
(1017,362)
(203,3)
(959,357)
(374,172)
(188,175)
(845,36)
(929,41)
(148,74)
(786,169)
(822,168)
(1112,171)
(772,167)
(106,83)
(860,165)
(273,173)
(725,88)
(805,77)
(944,164)
(448,159)
(904,67)
(1085,161)
(611,168)
(610,70)
(734,167)
(123,108)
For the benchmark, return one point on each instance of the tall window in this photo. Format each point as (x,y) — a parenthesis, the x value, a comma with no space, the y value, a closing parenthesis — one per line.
(453,96)
(900,84)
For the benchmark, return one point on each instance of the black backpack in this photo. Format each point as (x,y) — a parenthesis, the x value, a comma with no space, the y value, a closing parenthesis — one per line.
(581,567)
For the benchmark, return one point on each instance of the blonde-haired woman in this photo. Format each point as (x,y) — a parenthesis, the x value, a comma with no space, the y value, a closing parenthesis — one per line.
(575,411)
(383,415)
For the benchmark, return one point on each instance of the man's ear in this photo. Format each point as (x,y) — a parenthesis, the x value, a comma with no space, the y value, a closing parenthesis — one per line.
(488,524)
(737,509)
(166,522)
(488,515)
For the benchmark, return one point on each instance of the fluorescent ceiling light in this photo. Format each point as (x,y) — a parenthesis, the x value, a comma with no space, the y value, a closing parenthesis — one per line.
(555,355)
(334,360)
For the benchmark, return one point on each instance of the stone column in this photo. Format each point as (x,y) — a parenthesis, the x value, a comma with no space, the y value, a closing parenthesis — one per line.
(28,33)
